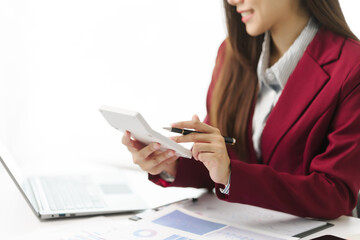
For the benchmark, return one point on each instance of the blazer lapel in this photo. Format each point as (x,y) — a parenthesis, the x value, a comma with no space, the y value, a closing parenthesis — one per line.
(302,87)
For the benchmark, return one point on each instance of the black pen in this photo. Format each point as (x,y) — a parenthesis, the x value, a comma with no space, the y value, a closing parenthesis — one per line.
(228,140)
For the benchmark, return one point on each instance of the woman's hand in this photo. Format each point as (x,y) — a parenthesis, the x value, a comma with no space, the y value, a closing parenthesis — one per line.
(150,158)
(209,148)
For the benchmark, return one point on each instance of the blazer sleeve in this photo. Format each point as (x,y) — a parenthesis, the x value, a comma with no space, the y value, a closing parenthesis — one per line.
(192,173)
(331,187)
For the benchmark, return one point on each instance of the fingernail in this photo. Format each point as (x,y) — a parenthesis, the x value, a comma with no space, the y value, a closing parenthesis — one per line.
(171,153)
(156,146)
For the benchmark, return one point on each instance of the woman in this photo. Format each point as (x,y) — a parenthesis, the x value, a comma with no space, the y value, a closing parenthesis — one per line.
(286,85)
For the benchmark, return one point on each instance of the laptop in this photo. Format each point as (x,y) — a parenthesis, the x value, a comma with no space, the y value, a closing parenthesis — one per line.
(63,196)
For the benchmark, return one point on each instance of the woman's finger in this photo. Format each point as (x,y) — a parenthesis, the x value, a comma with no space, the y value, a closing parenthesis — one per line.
(206,157)
(154,161)
(132,145)
(162,166)
(192,137)
(139,157)
(195,118)
(201,148)
(198,137)
(196,125)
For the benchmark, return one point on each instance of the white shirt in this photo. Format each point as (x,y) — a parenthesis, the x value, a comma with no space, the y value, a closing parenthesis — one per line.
(272,80)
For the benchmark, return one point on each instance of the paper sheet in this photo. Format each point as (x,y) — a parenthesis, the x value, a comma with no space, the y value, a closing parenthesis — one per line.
(176,223)
(252,217)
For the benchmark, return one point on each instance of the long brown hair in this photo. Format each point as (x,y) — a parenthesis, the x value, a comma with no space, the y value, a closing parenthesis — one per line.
(236,88)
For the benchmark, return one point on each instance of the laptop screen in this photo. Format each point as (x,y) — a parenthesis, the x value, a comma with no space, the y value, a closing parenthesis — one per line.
(17,176)
(10,164)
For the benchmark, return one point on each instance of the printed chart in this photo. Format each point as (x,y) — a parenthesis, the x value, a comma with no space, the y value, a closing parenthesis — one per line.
(179,224)
(187,223)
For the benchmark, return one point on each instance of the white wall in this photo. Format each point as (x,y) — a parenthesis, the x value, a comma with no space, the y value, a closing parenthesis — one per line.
(350,9)
(61,60)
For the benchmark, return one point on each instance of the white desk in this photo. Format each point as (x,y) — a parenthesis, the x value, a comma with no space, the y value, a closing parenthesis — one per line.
(17,218)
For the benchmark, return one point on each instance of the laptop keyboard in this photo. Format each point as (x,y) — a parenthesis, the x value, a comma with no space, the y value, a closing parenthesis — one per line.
(71,192)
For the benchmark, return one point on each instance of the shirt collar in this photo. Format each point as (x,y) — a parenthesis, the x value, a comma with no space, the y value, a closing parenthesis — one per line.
(277,75)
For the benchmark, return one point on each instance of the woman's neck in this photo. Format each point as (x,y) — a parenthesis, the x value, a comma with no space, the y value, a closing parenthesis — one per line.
(284,34)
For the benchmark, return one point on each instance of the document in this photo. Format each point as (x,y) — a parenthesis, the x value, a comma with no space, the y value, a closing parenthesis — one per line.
(177,223)
(252,217)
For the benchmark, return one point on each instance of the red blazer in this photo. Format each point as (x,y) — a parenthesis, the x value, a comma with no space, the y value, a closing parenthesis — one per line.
(310,144)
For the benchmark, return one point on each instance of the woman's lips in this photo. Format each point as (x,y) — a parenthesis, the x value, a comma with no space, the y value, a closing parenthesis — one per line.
(246,15)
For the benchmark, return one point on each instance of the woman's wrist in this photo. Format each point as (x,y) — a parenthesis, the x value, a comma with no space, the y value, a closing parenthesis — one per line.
(226,189)
(226,178)
(171,168)
(168,174)
(167,177)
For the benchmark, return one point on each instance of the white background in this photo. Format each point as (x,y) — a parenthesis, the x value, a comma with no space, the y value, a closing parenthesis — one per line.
(61,60)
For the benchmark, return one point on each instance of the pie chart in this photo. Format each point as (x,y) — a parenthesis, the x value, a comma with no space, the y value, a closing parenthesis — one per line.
(145,233)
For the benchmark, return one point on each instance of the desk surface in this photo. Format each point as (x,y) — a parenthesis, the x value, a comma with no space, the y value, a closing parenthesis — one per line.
(17,218)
